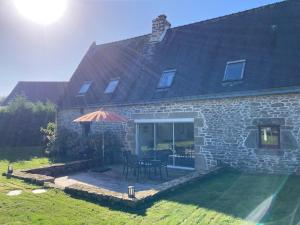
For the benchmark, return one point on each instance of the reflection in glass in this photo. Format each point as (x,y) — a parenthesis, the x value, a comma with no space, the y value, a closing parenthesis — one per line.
(146,137)
(164,136)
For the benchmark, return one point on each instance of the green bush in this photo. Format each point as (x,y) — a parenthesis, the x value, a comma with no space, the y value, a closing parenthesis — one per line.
(69,145)
(112,146)
(21,121)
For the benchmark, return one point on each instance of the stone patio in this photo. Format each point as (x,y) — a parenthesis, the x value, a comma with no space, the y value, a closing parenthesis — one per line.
(114,180)
(79,180)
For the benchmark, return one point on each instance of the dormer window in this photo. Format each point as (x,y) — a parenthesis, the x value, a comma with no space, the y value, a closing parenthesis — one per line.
(234,70)
(166,79)
(84,87)
(111,87)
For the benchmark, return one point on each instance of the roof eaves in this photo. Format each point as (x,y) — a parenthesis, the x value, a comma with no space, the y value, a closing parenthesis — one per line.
(237,94)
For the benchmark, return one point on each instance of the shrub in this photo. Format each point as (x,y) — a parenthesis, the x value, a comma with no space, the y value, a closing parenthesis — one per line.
(112,146)
(49,136)
(69,145)
(21,121)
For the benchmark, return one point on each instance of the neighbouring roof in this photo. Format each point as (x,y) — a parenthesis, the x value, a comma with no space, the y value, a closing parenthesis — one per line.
(268,38)
(38,91)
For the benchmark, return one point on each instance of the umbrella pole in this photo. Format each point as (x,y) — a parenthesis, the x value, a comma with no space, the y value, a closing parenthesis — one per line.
(103,154)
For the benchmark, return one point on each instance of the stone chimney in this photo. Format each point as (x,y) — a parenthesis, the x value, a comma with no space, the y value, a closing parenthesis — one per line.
(160,25)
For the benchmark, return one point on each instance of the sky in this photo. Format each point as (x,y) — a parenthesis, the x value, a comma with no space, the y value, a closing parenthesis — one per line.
(33,52)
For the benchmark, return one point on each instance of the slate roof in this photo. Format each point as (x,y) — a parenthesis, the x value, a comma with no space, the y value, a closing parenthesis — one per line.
(38,91)
(268,38)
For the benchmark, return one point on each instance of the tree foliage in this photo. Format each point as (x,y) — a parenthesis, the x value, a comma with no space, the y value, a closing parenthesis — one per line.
(1,100)
(21,121)
(70,145)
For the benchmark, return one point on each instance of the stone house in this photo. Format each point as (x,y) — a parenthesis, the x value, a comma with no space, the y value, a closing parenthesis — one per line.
(224,90)
(38,91)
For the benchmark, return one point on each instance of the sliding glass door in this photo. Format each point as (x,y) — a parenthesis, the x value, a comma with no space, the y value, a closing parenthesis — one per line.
(174,138)
(184,144)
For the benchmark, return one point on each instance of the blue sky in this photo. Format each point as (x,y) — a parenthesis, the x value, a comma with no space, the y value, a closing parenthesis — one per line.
(32,52)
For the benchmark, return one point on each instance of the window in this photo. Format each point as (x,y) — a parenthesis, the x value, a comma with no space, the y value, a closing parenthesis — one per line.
(111,87)
(172,139)
(85,87)
(234,70)
(146,137)
(164,136)
(269,137)
(166,79)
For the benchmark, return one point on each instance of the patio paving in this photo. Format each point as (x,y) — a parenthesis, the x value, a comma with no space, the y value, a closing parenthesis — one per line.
(82,180)
(114,180)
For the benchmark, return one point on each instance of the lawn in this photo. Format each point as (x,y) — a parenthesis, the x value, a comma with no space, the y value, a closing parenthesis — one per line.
(227,198)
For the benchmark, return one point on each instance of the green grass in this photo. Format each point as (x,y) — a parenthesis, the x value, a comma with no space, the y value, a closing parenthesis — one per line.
(227,198)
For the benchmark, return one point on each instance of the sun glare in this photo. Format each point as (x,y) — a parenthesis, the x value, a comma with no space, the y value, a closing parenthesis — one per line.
(41,11)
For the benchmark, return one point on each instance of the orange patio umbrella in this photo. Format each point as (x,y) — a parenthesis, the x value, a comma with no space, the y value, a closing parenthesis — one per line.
(102,117)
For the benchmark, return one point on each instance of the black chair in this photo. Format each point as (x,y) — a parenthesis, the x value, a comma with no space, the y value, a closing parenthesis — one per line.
(125,156)
(133,165)
(163,156)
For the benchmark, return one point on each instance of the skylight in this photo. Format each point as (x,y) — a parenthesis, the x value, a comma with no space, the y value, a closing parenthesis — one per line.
(235,70)
(85,87)
(166,79)
(111,87)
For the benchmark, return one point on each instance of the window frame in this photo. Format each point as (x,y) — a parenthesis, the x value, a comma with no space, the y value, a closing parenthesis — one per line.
(161,77)
(84,83)
(264,146)
(112,80)
(244,61)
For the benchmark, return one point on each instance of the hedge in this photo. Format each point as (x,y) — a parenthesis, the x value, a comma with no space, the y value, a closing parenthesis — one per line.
(21,122)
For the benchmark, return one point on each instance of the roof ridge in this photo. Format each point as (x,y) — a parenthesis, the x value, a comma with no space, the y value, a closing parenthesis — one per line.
(42,81)
(203,21)
(215,19)
(123,40)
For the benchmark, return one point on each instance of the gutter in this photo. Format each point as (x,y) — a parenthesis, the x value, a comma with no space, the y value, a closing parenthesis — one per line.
(222,95)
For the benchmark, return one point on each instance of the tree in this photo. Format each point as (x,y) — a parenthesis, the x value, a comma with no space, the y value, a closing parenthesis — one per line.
(1,100)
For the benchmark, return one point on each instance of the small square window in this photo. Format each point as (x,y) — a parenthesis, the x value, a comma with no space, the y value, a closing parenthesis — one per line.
(111,87)
(166,79)
(269,136)
(85,87)
(234,70)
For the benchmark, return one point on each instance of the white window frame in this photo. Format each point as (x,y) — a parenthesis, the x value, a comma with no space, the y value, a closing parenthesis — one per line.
(235,62)
(156,121)
(84,83)
(109,83)
(161,77)
(178,120)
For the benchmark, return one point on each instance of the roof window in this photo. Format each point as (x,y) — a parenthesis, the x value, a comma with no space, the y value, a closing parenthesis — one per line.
(166,79)
(234,70)
(84,87)
(111,86)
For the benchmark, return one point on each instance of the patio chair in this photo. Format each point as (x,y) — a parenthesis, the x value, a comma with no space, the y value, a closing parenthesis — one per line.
(133,165)
(125,157)
(163,156)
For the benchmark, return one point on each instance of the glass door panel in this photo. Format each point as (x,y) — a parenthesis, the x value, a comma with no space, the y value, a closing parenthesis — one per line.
(146,137)
(171,141)
(184,145)
(164,136)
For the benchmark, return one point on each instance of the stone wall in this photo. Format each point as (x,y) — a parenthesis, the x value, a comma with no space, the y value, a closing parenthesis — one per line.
(226,130)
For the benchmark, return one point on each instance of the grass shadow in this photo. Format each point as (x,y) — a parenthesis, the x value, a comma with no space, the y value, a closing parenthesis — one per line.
(268,199)
(16,154)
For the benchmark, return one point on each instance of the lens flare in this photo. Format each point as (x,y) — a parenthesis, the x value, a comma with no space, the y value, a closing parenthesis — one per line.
(43,12)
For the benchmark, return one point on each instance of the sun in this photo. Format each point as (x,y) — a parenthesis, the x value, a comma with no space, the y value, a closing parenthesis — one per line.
(43,12)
